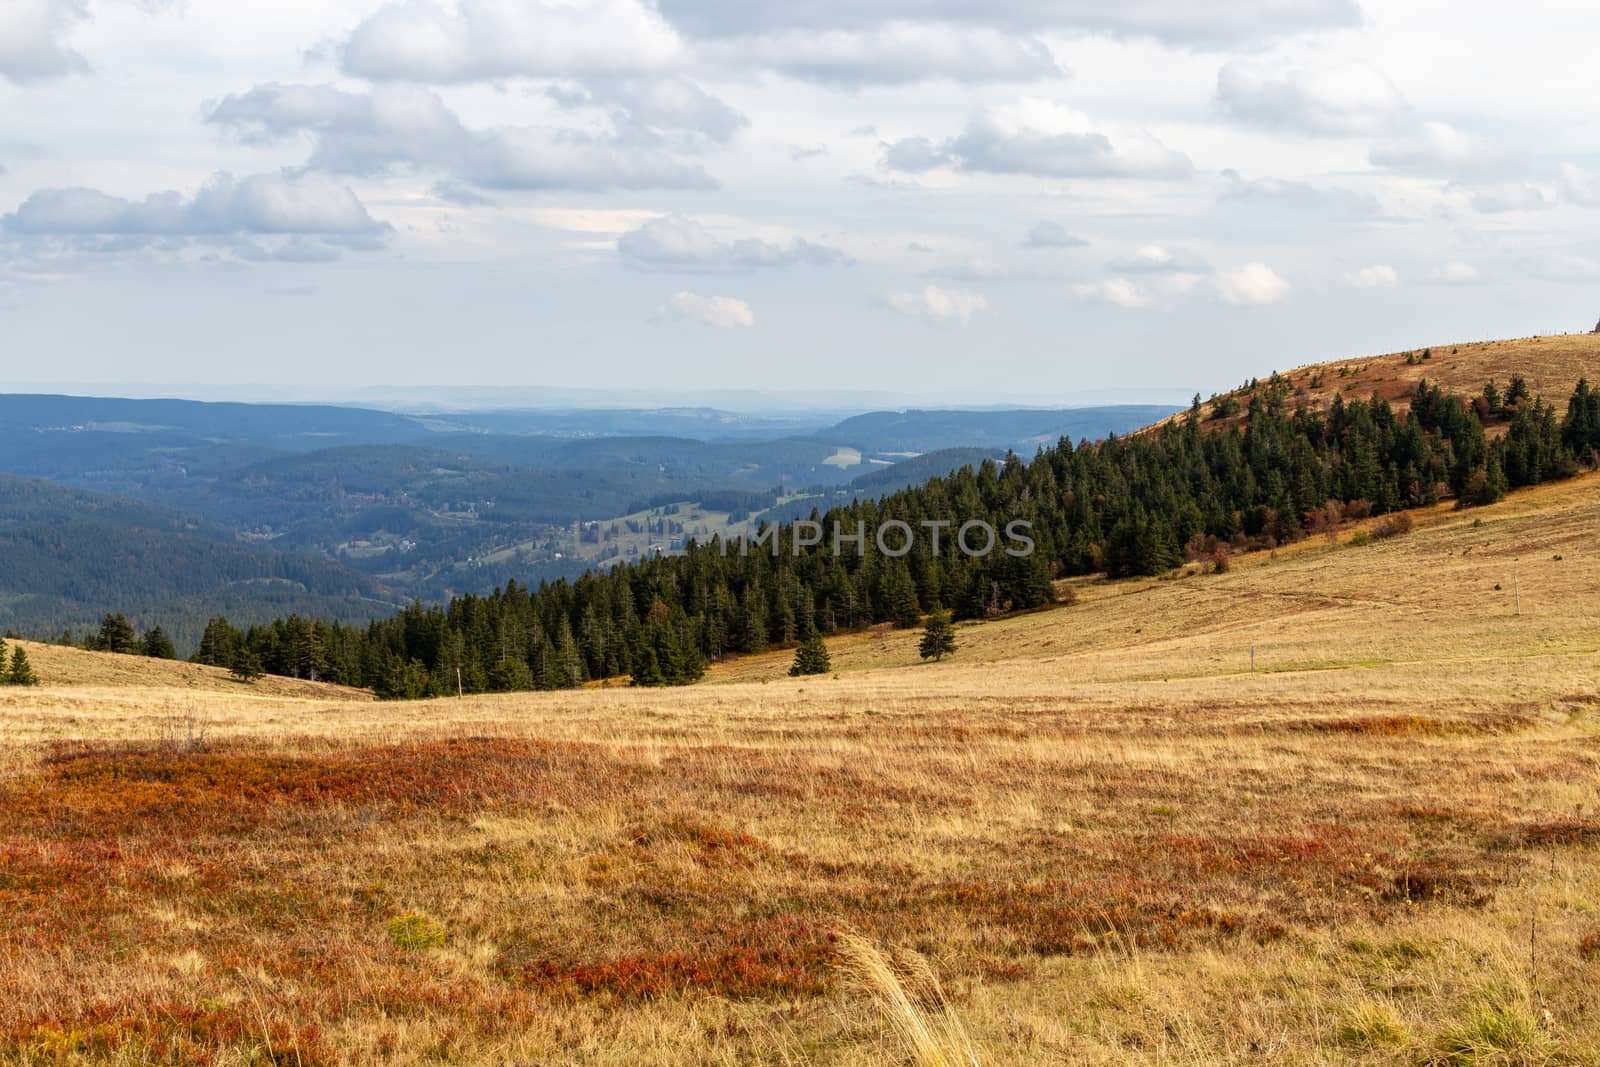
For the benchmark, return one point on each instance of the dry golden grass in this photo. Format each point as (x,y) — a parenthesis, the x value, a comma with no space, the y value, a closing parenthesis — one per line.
(1552,366)
(1111,841)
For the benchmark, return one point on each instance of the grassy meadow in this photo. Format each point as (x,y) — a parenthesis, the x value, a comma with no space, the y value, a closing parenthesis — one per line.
(1092,836)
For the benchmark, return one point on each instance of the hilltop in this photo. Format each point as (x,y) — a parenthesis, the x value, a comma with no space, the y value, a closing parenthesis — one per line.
(1551,366)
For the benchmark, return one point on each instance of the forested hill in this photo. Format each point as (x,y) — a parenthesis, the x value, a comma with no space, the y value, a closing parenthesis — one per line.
(69,555)
(1125,506)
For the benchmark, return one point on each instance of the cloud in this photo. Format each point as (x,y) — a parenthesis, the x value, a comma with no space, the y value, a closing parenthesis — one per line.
(1040,137)
(893,53)
(1436,148)
(1348,98)
(970,270)
(1254,283)
(402,126)
(938,305)
(1377,276)
(672,104)
(1505,197)
(683,244)
(1226,23)
(1047,234)
(31,32)
(723,312)
(1298,197)
(1455,273)
(1577,186)
(1562,267)
(1161,259)
(1118,291)
(485,40)
(302,217)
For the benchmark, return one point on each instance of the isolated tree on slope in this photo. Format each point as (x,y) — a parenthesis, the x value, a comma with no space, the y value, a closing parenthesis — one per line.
(116,635)
(938,637)
(812,656)
(157,645)
(246,665)
(21,672)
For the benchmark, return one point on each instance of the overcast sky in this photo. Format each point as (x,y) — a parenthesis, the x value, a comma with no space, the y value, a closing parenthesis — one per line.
(1028,197)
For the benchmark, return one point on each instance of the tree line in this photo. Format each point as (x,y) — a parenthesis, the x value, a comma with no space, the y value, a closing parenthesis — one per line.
(1137,505)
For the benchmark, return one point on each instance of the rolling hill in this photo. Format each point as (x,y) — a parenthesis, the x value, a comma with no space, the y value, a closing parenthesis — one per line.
(68,556)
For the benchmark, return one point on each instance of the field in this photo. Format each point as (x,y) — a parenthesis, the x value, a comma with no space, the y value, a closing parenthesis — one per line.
(1107,837)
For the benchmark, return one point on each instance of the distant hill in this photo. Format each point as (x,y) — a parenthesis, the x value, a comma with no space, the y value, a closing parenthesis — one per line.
(1022,429)
(67,556)
(911,472)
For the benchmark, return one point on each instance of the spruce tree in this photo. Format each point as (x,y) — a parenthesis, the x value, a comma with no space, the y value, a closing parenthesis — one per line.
(246,665)
(21,672)
(938,636)
(157,645)
(812,656)
(116,635)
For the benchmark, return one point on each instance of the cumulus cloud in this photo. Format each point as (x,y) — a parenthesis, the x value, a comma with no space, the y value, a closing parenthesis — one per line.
(31,38)
(673,104)
(1118,291)
(1513,196)
(890,54)
(1377,276)
(1347,98)
(723,312)
(938,305)
(1161,259)
(1455,273)
(1041,137)
(1437,148)
(1225,23)
(683,244)
(1047,234)
(483,40)
(1254,283)
(316,215)
(394,126)
(1297,196)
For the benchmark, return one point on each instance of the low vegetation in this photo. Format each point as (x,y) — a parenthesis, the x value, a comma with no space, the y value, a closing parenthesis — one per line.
(1094,836)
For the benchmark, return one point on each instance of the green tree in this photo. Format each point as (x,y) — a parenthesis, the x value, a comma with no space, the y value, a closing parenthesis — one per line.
(157,645)
(812,656)
(246,665)
(938,636)
(21,672)
(116,635)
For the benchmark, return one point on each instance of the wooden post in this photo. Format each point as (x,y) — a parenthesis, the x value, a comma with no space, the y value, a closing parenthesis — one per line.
(459,693)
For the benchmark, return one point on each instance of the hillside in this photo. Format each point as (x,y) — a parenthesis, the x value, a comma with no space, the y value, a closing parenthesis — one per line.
(1109,838)
(1551,365)
(68,556)
(63,670)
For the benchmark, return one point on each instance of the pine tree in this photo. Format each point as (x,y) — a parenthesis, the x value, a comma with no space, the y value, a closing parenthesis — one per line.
(21,672)
(938,636)
(116,635)
(246,665)
(812,656)
(157,645)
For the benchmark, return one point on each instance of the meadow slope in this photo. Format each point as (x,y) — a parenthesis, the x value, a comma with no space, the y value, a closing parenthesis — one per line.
(1112,840)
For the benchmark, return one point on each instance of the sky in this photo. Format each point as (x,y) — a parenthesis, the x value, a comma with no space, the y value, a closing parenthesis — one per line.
(1036,200)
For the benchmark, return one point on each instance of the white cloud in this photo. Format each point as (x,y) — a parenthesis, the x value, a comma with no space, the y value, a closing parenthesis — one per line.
(936,304)
(1455,273)
(1254,283)
(1436,148)
(1563,267)
(1047,234)
(723,312)
(1346,98)
(1377,276)
(405,126)
(31,38)
(683,244)
(1119,291)
(892,53)
(1041,137)
(1297,196)
(1161,259)
(480,40)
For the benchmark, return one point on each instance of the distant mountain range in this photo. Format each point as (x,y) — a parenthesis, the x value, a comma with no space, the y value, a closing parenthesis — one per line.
(344,511)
